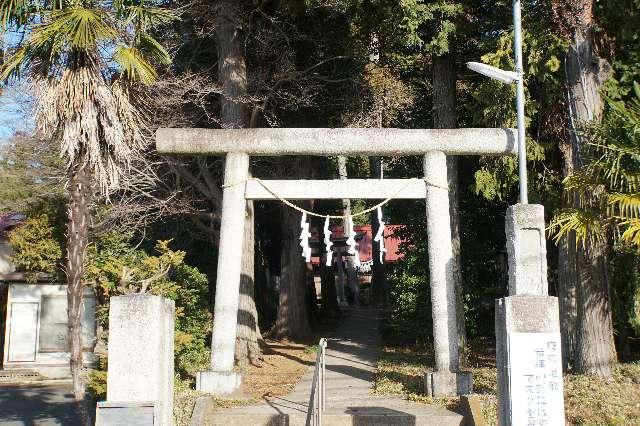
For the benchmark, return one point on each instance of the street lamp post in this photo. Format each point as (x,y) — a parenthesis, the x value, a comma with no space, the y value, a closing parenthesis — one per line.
(510,77)
(522,141)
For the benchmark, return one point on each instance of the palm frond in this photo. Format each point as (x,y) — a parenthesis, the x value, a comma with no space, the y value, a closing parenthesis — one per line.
(87,115)
(587,226)
(13,12)
(631,234)
(627,206)
(11,66)
(154,49)
(79,28)
(134,65)
(585,190)
(145,18)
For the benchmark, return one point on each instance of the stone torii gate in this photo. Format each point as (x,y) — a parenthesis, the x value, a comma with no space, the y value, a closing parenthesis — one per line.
(239,144)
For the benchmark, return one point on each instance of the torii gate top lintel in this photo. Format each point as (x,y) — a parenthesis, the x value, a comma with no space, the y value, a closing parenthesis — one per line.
(341,141)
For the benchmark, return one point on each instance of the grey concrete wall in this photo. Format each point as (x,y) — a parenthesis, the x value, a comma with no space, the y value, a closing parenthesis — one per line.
(35,337)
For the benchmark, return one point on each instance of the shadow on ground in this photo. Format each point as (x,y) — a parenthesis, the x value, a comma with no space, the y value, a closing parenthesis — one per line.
(37,404)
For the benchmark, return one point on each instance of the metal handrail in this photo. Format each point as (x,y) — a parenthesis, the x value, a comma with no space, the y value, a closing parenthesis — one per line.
(317,399)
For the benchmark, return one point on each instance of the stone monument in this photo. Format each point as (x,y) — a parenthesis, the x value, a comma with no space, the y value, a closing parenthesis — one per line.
(140,373)
(528,355)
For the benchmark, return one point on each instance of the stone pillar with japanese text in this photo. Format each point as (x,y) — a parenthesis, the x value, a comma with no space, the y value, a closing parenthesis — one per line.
(528,354)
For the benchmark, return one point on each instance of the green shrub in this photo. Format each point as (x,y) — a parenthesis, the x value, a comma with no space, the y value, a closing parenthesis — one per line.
(116,267)
(38,244)
(410,318)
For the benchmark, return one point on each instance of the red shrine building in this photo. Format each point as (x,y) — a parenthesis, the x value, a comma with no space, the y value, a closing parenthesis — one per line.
(364,237)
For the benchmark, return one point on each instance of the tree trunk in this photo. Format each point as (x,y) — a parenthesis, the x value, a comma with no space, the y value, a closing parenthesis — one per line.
(444,117)
(293,319)
(594,348)
(378,272)
(234,113)
(77,238)
(248,334)
(352,276)
(330,306)
(232,67)
(567,299)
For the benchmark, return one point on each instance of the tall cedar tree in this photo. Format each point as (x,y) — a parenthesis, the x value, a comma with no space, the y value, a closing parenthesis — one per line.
(234,113)
(583,282)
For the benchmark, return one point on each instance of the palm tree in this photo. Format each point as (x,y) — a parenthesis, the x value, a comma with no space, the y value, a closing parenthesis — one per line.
(82,58)
(607,187)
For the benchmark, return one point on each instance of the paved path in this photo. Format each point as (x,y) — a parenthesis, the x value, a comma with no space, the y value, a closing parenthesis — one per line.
(352,356)
(38,404)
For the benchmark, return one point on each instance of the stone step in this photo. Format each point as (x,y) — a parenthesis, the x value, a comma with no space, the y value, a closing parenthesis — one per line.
(361,416)
(376,411)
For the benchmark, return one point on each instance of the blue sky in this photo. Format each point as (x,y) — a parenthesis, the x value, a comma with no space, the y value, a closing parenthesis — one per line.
(14,111)
(14,100)
(12,118)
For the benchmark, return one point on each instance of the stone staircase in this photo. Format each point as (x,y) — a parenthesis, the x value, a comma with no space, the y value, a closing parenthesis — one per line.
(350,372)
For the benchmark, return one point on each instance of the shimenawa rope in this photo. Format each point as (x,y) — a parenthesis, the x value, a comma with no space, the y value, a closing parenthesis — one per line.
(310,213)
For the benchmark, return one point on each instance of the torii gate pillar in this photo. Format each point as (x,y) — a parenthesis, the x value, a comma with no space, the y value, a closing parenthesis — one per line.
(221,379)
(447,379)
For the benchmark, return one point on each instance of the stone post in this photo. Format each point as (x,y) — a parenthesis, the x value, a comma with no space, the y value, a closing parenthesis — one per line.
(341,281)
(221,379)
(446,379)
(528,354)
(526,250)
(141,333)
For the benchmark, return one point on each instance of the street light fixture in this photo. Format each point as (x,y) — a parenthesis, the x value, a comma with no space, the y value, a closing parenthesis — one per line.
(510,77)
(507,77)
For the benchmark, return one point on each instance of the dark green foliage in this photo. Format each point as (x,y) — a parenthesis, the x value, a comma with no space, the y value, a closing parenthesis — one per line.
(30,169)
(38,244)
(117,267)
(410,297)
(625,273)
(193,319)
